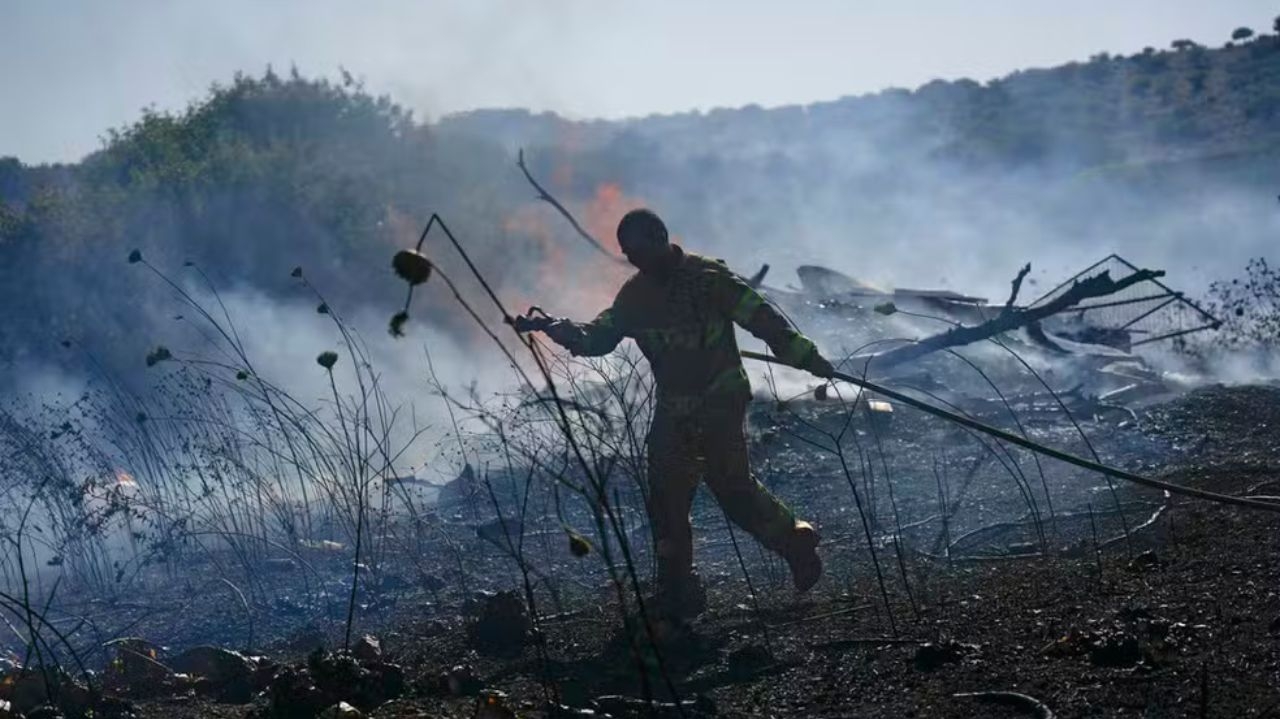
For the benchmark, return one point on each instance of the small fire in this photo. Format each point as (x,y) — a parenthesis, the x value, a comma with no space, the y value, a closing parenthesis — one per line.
(566,277)
(532,256)
(605,211)
(125,480)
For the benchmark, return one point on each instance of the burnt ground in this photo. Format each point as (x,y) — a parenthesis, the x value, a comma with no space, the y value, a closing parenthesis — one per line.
(1180,620)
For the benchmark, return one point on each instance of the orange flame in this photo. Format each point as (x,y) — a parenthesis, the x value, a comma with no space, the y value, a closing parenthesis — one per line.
(566,279)
(532,256)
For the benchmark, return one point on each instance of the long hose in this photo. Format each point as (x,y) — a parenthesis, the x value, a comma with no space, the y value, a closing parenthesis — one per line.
(1034,446)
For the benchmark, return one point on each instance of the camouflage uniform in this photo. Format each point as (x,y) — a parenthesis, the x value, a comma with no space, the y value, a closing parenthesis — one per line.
(683,322)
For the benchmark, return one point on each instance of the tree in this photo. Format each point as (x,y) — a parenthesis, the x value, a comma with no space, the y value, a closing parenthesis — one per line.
(1182,44)
(1241,33)
(1275,24)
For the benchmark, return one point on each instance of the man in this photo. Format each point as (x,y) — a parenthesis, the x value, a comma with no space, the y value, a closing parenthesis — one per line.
(680,309)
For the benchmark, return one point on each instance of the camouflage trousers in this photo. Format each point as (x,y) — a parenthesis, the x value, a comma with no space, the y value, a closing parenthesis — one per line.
(708,440)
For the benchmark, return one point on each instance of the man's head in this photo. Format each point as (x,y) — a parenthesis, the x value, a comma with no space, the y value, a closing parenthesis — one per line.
(643,239)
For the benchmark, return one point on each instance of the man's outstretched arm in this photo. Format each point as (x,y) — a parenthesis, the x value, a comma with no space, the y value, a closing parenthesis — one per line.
(587,339)
(749,309)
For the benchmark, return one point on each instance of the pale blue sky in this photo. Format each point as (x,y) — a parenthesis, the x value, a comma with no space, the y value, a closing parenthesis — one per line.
(71,69)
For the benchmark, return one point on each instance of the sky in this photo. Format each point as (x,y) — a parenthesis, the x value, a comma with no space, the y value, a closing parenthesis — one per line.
(72,69)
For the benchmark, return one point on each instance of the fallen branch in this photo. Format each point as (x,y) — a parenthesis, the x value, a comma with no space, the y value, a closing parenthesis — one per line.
(1030,704)
(1011,318)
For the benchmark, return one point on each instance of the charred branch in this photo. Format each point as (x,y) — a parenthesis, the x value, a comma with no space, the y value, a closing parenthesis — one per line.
(1017,287)
(1012,318)
(550,200)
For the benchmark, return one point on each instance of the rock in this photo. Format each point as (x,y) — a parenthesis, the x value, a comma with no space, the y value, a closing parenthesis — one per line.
(27,691)
(135,670)
(263,669)
(492,704)
(1071,644)
(392,678)
(1275,626)
(1115,649)
(294,695)
(502,625)
(461,680)
(340,676)
(341,710)
(458,681)
(6,710)
(930,656)
(219,673)
(367,649)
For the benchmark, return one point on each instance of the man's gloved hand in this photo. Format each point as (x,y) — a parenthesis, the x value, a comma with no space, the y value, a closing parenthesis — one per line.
(817,365)
(562,332)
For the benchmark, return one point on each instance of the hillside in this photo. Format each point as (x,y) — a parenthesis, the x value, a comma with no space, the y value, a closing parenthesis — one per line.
(1153,105)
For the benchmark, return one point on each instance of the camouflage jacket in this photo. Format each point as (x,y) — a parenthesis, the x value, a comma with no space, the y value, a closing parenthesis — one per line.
(683,323)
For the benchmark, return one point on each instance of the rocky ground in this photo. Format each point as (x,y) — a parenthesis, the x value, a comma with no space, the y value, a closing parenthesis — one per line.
(1182,619)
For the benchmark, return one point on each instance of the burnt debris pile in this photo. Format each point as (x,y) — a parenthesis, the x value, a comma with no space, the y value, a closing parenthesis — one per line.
(1087,335)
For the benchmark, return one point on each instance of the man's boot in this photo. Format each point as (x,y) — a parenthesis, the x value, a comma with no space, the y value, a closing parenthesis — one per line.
(801,553)
(671,608)
(682,599)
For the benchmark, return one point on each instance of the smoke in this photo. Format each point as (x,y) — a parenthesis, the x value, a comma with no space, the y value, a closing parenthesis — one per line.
(953,186)
(881,190)
(943,226)
(283,339)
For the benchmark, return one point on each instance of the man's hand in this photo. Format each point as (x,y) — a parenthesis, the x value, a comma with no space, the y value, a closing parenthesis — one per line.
(558,329)
(562,332)
(817,365)
(533,321)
